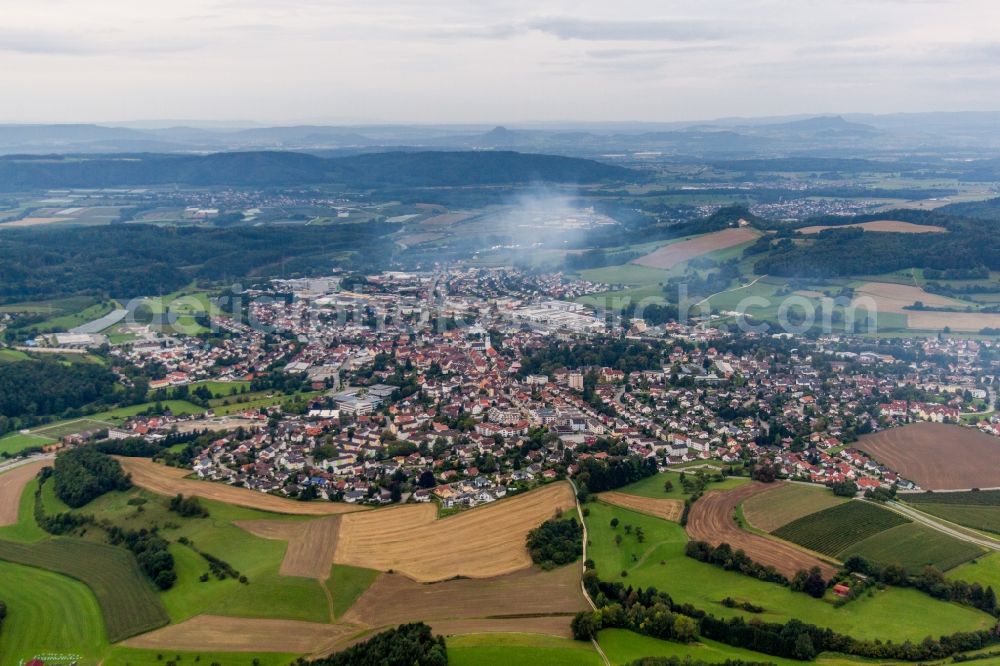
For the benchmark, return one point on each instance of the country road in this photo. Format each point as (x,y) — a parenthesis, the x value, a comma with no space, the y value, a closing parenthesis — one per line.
(19,462)
(943,526)
(726,291)
(586,595)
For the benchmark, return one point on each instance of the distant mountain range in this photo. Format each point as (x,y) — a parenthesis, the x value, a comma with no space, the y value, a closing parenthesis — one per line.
(729,137)
(283,168)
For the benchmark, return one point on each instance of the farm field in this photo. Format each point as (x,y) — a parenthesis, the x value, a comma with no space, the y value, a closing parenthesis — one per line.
(213,633)
(977,517)
(169,481)
(978,510)
(670,255)
(345,584)
(127,601)
(481,543)
(970,322)
(653,486)
(14,443)
(711,520)
(892,299)
(781,504)
(222,389)
(12,485)
(983,570)
(914,547)
(124,656)
(835,530)
(25,529)
(394,599)
(13,355)
(894,226)
(48,613)
(937,456)
(525,649)
(62,428)
(668,509)
(74,319)
(896,613)
(311,544)
(984,498)
(623,647)
(267,593)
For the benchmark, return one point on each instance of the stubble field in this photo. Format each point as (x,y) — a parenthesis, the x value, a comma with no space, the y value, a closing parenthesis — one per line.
(676,253)
(711,520)
(668,509)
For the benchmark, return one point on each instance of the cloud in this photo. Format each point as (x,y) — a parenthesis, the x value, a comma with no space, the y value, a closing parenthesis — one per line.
(659,30)
(596,30)
(43,42)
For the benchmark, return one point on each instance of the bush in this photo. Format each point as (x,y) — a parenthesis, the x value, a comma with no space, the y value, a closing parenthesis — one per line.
(555,542)
(151,552)
(188,507)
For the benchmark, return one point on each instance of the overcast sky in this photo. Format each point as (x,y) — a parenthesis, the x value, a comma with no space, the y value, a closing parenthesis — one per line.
(492,61)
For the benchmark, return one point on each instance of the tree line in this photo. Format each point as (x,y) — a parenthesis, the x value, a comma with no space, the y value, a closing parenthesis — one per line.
(628,608)
(406,645)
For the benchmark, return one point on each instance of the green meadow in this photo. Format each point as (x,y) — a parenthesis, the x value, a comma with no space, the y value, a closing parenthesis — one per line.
(897,614)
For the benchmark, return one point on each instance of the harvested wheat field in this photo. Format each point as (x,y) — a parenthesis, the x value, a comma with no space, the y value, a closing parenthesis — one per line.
(169,481)
(938,456)
(894,226)
(676,253)
(480,543)
(668,509)
(12,485)
(213,633)
(711,520)
(311,544)
(394,599)
(972,322)
(892,297)
(896,298)
(554,625)
(783,503)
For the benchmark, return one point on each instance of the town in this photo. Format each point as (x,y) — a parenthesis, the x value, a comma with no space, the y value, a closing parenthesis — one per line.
(466,385)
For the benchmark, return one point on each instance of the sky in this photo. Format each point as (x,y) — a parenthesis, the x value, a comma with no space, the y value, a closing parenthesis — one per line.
(492,61)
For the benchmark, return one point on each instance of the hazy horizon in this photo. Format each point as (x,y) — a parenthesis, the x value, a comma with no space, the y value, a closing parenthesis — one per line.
(494,62)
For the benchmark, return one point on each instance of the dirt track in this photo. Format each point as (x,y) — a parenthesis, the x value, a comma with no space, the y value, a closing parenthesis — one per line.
(213,633)
(311,545)
(668,509)
(394,599)
(12,485)
(711,520)
(669,256)
(938,456)
(169,481)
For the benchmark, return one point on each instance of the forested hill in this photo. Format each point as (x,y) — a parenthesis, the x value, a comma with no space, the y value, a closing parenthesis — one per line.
(968,243)
(267,169)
